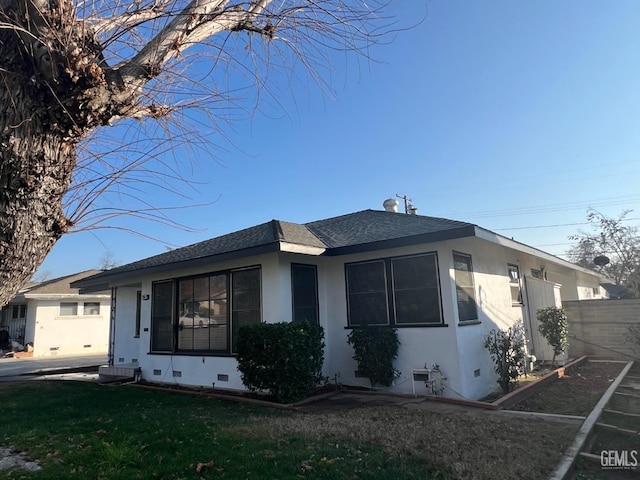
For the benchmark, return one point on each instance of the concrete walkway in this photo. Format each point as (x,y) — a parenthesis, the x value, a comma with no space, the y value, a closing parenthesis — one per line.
(14,367)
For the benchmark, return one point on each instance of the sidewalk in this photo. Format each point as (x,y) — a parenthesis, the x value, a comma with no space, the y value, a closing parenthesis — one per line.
(14,367)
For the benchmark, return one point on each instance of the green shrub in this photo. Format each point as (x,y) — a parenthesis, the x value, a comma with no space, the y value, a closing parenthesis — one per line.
(553,327)
(506,348)
(284,359)
(375,350)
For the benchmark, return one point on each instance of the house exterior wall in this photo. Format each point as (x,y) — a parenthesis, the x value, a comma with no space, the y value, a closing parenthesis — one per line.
(195,369)
(54,334)
(457,348)
(419,346)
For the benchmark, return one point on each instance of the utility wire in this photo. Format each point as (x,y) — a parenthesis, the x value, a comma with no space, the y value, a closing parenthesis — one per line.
(558,225)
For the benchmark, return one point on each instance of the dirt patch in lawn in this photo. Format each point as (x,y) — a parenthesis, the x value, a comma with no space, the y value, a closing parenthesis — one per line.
(576,393)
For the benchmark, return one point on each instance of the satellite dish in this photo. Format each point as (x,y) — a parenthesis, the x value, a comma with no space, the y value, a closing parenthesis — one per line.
(601,260)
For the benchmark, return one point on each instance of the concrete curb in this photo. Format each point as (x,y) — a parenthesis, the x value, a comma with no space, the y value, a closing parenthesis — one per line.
(569,457)
(238,398)
(522,393)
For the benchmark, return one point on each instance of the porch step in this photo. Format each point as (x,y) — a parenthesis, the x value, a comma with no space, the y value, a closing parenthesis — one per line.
(124,370)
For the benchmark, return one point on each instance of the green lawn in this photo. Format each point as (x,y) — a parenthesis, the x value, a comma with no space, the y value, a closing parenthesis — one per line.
(88,431)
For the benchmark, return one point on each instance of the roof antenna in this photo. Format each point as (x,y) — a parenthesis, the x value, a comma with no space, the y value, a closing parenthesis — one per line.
(409,209)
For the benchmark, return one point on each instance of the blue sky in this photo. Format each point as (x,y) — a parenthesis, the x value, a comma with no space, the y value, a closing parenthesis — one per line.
(516,116)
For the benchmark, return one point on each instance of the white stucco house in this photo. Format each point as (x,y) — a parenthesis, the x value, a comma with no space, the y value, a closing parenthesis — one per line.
(57,319)
(443,284)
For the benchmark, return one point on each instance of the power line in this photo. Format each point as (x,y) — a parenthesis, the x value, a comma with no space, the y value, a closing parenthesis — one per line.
(557,225)
(602,202)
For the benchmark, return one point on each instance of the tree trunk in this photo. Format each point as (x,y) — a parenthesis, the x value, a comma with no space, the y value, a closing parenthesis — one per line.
(34,176)
(42,118)
(57,87)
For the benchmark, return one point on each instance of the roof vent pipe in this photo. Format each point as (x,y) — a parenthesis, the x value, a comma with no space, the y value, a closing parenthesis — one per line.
(390,205)
(412,210)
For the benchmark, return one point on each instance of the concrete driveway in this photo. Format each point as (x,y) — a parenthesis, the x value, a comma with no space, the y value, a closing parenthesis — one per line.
(12,367)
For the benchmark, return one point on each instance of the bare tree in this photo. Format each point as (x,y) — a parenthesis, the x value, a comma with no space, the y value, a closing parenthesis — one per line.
(108,260)
(41,276)
(71,66)
(612,249)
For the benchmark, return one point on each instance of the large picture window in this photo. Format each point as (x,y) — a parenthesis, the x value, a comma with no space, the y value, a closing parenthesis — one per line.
(394,291)
(465,290)
(207,311)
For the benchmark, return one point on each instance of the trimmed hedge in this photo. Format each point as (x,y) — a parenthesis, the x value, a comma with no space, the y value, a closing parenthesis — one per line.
(284,359)
(375,350)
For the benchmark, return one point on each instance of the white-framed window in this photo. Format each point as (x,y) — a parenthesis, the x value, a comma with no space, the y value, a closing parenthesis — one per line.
(92,308)
(68,309)
(514,284)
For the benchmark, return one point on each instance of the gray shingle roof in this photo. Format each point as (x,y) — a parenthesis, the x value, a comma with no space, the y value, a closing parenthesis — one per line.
(60,285)
(371,228)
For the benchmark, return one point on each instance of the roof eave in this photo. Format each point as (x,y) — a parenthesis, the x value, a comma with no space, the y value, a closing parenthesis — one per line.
(109,279)
(301,249)
(498,239)
(63,296)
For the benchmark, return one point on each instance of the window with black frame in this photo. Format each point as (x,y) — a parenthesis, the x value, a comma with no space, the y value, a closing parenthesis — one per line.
(367,293)
(304,292)
(400,291)
(208,311)
(162,316)
(465,289)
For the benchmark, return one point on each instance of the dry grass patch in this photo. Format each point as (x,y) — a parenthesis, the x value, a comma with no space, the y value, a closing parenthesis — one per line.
(469,446)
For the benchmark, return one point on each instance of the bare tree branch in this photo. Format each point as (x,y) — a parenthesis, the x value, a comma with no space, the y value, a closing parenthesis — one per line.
(128,19)
(199,20)
(77,71)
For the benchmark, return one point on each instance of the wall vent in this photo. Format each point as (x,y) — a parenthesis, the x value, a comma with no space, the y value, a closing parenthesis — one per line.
(223,377)
(120,359)
(476,372)
(53,349)
(157,372)
(359,374)
(134,360)
(177,373)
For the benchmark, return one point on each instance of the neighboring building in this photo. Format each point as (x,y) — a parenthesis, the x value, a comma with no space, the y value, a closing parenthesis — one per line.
(443,284)
(57,320)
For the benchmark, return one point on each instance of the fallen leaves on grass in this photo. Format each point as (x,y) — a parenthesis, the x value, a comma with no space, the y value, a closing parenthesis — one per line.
(201,466)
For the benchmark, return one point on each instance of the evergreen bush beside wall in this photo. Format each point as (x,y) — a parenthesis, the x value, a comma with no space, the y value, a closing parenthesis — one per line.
(284,359)
(375,350)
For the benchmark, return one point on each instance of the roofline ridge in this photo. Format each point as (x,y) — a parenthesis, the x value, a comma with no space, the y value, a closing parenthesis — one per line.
(277,229)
